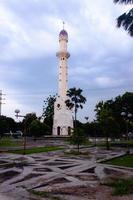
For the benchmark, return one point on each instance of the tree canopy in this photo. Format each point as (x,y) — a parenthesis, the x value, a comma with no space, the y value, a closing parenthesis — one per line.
(7,124)
(78,137)
(37,128)
(75,100)
(114,108)
(126,19)
(48,111)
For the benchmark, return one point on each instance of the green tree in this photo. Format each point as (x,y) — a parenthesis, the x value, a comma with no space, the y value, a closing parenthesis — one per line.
(106,120)
(93,129)
(37,128)
(127,101)
(48,111)
(98,108)
(76,101)
(126,19)
(7,124)
(27,121)
(117,106)
(3,125)
(78,138)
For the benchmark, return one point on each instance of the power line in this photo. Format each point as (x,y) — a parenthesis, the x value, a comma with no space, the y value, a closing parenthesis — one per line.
(1,100)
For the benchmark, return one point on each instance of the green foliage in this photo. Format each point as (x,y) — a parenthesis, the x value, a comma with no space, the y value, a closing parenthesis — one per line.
(44,194)
(126,161)
(48,111)
(75,100)
(127,101)
(93,129)
(48,108)
(76,153)
(7,124)
(36,150)
(28,119)
(123,1)
(126,20)
(107,122)
(37,128)
(121,186)
(112,109)
(78,137)
(8,142)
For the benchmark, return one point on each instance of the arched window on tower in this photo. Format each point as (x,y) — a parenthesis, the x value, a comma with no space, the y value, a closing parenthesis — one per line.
(58,130)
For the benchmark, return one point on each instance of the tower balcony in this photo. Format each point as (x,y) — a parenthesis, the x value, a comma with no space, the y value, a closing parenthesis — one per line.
(61,54)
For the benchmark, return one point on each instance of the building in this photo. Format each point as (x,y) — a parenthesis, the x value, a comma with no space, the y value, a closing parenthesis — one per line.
(63,120)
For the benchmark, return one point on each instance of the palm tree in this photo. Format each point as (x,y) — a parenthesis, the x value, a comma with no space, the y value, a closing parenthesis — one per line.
(126,19)
(76,99)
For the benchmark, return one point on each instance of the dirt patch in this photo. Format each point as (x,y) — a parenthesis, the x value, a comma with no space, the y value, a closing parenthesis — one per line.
(113,171)
(52,182)
(56,163)
(90,170)
(20,165)
(87,177)
(58,180)
(42,170)
(8,175)
(66,167)
(3,162)
(41,160)
(97,193)
(105,193)
(27,178)
(76,191)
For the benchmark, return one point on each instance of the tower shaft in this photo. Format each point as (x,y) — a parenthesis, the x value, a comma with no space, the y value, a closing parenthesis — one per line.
(63,55)
(63,121)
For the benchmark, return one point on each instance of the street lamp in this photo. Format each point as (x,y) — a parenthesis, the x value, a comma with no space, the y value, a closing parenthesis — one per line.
(127,116)
(17,111)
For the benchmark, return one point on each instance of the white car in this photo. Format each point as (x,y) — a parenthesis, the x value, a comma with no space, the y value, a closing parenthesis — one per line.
(130,135)
(17,134)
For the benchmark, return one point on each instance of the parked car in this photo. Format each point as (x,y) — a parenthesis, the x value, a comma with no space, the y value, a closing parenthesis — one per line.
(130,135)
(17,134)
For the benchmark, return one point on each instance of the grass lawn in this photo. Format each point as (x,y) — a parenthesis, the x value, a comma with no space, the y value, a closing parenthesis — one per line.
(36,150)
(8,142)
(130,141)
(103,143)
(126,161)
(44,194)
(121,186)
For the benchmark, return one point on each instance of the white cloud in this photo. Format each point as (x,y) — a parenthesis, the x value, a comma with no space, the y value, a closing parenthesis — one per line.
(25,41)
(108,82)
(101,54)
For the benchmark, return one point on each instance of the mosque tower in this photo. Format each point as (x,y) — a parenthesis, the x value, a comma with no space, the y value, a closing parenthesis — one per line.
(63,121)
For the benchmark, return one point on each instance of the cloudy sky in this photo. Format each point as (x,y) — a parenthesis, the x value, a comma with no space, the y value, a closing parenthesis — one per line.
(101,61)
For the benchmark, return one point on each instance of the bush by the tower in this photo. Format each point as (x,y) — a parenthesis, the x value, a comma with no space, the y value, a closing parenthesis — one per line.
(78,138)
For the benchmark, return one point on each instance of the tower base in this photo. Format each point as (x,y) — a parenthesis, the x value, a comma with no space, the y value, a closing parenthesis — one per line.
(63,121)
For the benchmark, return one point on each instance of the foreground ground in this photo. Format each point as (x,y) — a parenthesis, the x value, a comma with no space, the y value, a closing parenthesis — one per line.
(59,176)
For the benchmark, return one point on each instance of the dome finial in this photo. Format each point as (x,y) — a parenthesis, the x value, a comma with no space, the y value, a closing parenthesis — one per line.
(63,24)
(63,33)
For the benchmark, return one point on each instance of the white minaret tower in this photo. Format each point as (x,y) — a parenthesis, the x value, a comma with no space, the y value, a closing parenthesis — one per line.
(63,121)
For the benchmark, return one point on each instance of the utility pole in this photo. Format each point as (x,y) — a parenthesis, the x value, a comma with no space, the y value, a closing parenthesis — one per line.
(17,111)
(1,99)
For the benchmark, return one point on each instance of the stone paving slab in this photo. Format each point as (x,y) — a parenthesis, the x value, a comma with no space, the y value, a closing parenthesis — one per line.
(72,177)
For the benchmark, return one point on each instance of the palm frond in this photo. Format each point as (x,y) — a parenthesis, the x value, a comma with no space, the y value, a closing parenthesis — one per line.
(124,1)
(126,21)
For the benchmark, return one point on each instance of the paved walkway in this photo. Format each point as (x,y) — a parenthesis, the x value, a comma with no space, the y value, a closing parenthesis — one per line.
(67,176)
